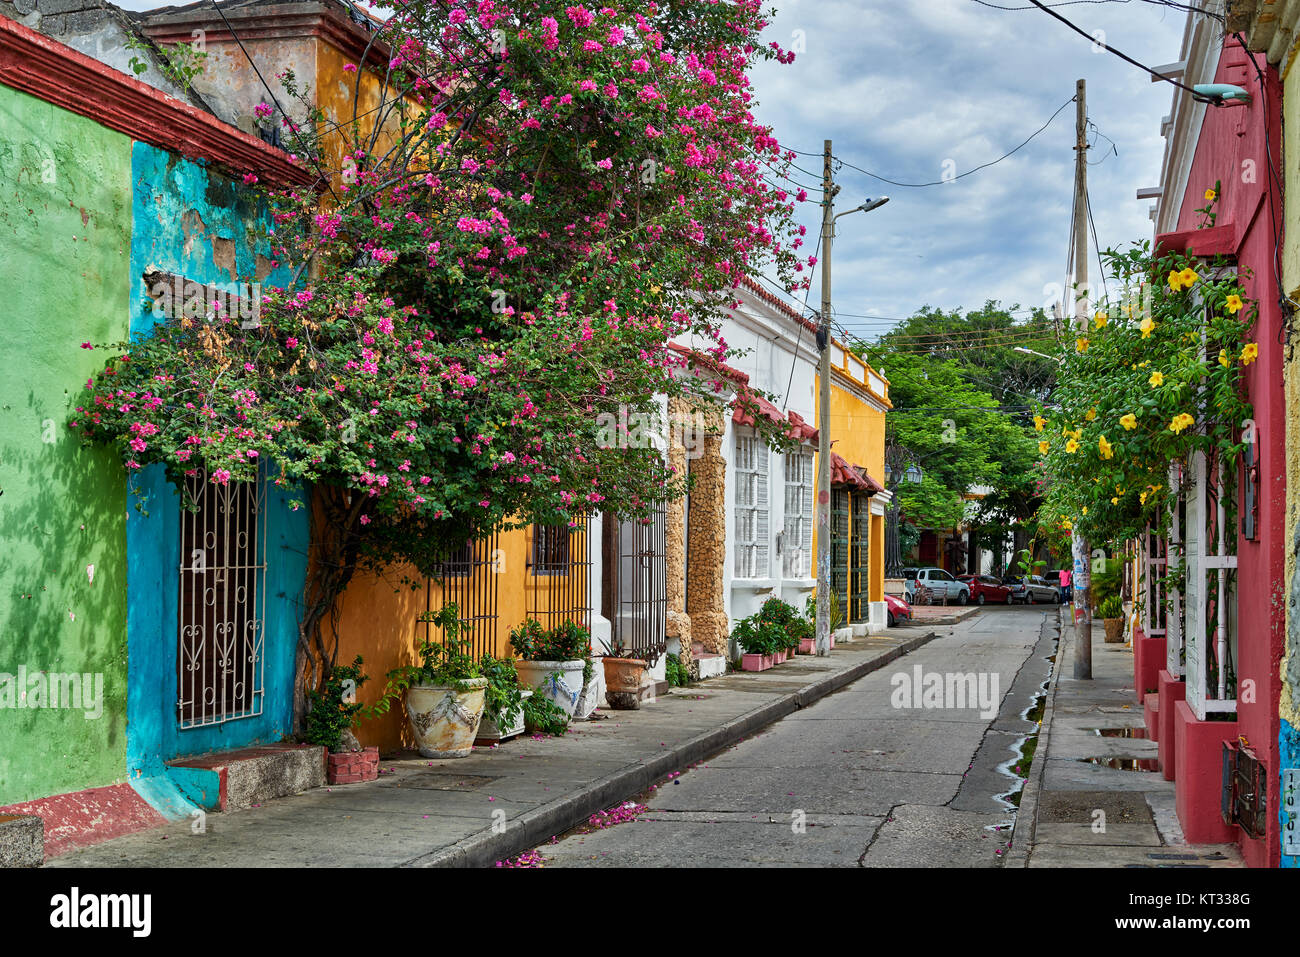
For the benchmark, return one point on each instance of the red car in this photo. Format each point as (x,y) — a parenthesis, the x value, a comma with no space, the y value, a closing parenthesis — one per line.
(987,588)
(897,610)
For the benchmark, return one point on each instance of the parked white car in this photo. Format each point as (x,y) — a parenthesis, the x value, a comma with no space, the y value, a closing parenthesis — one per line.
(939,582)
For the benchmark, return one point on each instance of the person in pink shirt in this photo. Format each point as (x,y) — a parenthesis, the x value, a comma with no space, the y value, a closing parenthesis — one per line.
(1066,593)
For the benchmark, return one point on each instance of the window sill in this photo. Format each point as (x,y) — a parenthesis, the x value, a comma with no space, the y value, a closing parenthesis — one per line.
(755,584)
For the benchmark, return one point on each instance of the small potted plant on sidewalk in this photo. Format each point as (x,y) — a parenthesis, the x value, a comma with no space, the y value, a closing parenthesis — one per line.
(1112,614)
(623,676)
(554,663)
(444,693)
(334,713)
(503,709)
(759,640)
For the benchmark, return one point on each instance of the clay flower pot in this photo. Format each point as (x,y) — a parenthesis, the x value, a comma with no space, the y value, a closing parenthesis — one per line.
(623,677)
(561,681)
(445,719)
(749,662)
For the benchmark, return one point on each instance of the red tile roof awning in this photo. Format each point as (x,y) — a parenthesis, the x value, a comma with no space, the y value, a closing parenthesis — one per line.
(854,476)
(748,402)
(801,430)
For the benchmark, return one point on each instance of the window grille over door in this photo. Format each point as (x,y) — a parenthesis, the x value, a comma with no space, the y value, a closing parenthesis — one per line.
(221,627)
(840,549)
(559,562)
(860,549)
(752,510)
(468,576)
(634,594)
(796,542)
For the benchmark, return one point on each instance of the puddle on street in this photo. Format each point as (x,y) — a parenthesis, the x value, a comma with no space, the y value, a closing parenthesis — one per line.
(1125,764)
(1140,733)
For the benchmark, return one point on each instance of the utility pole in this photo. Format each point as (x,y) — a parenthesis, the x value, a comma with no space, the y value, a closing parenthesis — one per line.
(824,415)
(1082,611)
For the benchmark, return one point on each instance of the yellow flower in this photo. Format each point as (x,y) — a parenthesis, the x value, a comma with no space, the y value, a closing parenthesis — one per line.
(1114,501)
(1223,358)
(1211,195)
(1234,304)
(1107,452)
(1072,446)
(1129,421)
(1142,499)
(1249,354)
(1067,524)
(1042,448)
(1144,363)
(1039,422)
(1188,277)
(1090,414)
(1077,434)
(1081,344)
(1085,510)
(1147,326)
(1181,421)
(1100,319)
(1175,280)
(1157,379)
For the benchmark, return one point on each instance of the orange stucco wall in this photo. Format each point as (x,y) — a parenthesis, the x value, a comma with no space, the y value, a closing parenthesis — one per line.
(858,435)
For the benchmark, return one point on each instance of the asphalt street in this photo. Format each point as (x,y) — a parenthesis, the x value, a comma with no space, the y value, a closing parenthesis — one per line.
(905,767)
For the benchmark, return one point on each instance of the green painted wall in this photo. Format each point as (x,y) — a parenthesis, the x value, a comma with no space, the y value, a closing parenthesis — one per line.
(65,230)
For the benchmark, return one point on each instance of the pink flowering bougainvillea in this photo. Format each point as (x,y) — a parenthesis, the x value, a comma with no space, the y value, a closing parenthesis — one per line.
(548,193)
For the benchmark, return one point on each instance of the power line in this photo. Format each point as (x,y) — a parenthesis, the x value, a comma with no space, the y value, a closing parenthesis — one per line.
(944,182)
(1123,56)
(1172,4)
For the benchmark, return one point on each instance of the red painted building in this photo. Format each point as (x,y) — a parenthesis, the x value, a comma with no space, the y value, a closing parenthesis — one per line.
(1238,148)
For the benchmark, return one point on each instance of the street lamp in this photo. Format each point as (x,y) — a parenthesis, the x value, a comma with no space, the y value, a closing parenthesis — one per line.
(1031,352)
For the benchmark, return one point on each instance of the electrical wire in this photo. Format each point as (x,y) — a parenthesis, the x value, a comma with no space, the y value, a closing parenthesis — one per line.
(1123,56)
(1284,301)
(944,182)
(1101,267)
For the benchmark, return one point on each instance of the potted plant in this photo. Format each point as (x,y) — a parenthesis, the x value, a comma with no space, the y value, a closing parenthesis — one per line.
(623,676)
(444,693)
(554,663)
(810,612)
(759,640)
(794,629)
(1112,613)
(503,701)
(334,713)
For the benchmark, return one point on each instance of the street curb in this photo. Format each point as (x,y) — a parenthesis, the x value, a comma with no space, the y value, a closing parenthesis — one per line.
(1022,833)
(954,619)
(484,848)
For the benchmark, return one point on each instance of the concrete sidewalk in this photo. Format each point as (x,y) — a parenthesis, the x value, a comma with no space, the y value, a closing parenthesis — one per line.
(1094,799)
(502,801)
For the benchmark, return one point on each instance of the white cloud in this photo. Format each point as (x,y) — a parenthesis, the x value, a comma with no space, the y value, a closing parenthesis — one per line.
(900,87)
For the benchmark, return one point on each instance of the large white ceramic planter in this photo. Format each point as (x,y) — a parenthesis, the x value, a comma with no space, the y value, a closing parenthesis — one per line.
(445,720)
(561,681)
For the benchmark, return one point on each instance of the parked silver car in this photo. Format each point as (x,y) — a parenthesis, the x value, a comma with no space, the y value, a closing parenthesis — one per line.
(1034,589)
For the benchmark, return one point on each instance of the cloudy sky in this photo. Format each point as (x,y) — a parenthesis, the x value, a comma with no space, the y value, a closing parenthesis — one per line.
(901,86)
(909,88)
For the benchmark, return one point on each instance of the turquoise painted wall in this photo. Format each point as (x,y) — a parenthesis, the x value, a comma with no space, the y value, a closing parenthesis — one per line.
(200,225)
(65,232)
